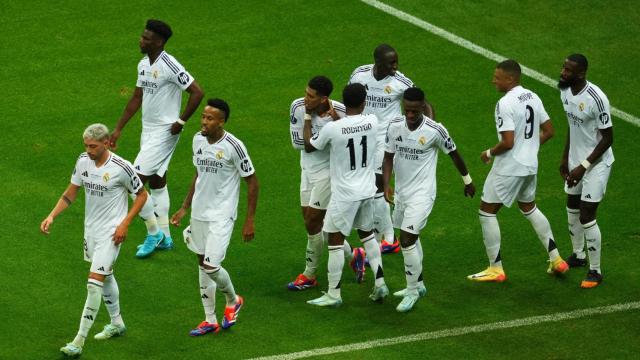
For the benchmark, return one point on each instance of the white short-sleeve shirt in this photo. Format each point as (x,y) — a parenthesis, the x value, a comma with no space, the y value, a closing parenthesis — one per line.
(220,167)
(106,189)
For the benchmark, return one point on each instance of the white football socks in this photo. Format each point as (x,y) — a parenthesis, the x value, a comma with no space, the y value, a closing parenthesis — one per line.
(412,267)
(223,282)
(372,249)
(334,267)
(111,298)
(207,295)
(491,237)
(543,229)
(594,244)
(148,215)
(576,231)
(162,203)
(90,311)
(315,243)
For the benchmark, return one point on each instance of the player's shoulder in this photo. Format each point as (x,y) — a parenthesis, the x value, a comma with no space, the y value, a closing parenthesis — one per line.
(403,79)
(339,106)
(121,164)
(397,121)
(297,105)
(169,62)
(594,92)
(435,127)
(361,70)
(83,158)
(236,144)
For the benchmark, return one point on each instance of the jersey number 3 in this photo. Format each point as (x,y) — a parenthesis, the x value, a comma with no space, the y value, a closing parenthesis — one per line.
(352,152)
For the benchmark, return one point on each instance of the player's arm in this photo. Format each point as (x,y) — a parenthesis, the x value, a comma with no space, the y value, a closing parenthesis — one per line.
(186,204)
(546,131)
(65,200)
(296,129)
(195,97)
(564,162)
(132,107)
(387,170)
(121,231)
(505,144)
(248,229)
(307,133)
(458,161)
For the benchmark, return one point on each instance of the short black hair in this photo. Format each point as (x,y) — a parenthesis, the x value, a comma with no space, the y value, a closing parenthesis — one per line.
(221,105)
(511,67)
(322,85)
(413,94)
(381,50)
(354,95)
(159,28)
(579,59)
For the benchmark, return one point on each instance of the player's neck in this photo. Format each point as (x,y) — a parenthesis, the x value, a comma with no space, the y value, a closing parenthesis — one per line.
(377,75)
(352,112)
(578,86)
(103,159)
(153,55)
(215,137)
(322,109)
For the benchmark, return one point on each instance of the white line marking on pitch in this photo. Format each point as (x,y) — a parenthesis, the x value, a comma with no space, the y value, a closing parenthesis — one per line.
(480,50)
(534,320)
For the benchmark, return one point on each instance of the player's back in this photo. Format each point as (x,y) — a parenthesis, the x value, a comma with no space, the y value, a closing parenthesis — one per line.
(521,111)
(353,143)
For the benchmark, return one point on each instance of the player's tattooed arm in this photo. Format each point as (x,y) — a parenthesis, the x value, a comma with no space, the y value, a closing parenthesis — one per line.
(65,200)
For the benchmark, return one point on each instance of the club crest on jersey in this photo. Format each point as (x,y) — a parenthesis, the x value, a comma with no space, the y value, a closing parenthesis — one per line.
(581,106)
(388,89)
(219,154)
(155,74)
(422,140)
(106,177)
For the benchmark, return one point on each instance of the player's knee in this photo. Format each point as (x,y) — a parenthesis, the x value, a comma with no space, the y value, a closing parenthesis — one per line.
(407,239)
(587,217)
(210,269)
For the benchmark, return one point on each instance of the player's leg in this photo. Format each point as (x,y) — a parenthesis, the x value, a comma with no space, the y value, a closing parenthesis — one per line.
(411,218)
(154,235)
(160,194)
(382,220)
(491,238)
(579,257)
(111,298)
(218,237)
(363,221)
(593,239)
(541,226)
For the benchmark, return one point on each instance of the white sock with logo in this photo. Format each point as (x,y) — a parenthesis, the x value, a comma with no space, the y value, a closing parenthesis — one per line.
(594,244)
(207,295)
(543,229)
(576,231)
(111,298)
(90,311)
(223,282)
(491,237)
(334,268)
(162,203)
(372,248)
(315,243)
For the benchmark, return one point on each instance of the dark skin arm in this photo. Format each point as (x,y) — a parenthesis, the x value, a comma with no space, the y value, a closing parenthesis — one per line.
(186,204)
(469,190)
(564,163)
(306,134)
(132,107)
(546,131)
(195,97)
(605,143)
(505,144)
(248,229)
(387,170)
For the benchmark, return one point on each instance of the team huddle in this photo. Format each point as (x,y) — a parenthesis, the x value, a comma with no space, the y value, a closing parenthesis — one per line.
(377,147)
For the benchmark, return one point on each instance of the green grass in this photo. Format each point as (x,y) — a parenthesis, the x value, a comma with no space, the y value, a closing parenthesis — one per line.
(69,64)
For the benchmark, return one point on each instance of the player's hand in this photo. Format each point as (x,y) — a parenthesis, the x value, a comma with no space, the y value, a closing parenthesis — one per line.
(176,128)
(575,176)
(564,170)
(46,224)
(248,231)
(388,195)
(483,156)
(175,218)
(469,190)
(120,234)
(113,140)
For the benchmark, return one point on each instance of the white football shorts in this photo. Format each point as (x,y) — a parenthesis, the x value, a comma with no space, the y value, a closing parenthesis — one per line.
(593,184)
(412,216)
(101,253)
(501,189)
(156,149)
(209,238)
(342,216)
(315,189)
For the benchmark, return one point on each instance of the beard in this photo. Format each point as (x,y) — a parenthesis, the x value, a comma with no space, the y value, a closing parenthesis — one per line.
(563,84)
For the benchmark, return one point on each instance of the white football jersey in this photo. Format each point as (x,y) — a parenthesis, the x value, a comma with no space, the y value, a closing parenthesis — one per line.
(106,189)
(219,168)
(317,160)
(352,143)
(162,84)
(587,112)
(384,97)
(416,156)
(521,111)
